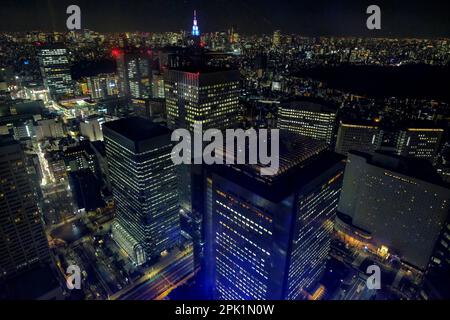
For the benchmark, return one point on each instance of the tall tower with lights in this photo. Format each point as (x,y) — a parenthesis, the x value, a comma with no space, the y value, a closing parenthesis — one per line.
(195,30)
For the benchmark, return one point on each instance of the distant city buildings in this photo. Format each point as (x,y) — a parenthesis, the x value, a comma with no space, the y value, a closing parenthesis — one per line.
(412,140)
(144,185)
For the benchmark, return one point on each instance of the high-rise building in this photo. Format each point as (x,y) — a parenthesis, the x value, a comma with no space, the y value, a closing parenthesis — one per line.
(55,70)
(276,38)
(144,186)
(134,71)
(392,206)
(152,108)
(209,96)
(420,142)
(200,95)
(268,237)
(91,128)
(308,118)
(357,136)
(23,244)
(102,86)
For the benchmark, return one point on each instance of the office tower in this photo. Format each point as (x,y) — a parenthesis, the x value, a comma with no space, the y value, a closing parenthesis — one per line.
(436,285)
(55,71)
(392,206)
(152,108)
(420,142)
(276,38)
(357,136)
(207,95)
(204,95)
(158,85)
(308,118)
(23,244)
(102,86)
(144,187)
(100,154)
(268,237)
(134,71)
(80,157)
(91,128)
(24,130)
(85,188)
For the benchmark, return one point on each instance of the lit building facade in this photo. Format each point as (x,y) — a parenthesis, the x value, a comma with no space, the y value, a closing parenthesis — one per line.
(309,119)
(134,71)
(204,95)
(102,86)
(422,143)
(91,128)
(23,243)
(357,136)
(144,186)
(393,206)
(269,239)
(55,71)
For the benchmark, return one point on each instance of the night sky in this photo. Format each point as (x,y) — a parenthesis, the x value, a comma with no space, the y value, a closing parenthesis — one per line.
(400,18)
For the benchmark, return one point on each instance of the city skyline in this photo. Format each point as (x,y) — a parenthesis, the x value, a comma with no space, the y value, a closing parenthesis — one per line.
(252,163)
(408,19)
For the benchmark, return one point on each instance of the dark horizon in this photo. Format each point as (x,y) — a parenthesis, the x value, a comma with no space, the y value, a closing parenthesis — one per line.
(408,19)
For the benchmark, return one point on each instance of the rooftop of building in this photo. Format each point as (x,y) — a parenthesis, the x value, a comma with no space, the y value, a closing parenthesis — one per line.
(420,169)
(7,140)
(360,123)
(30,285)
(136,128)
(313,105)
(302,159)
(203,69)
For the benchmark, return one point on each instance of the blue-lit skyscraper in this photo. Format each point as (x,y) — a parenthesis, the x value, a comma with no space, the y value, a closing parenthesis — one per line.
(144,187)
(269,237)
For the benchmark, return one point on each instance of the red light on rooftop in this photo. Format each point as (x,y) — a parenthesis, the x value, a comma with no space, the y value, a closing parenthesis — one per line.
(116,53)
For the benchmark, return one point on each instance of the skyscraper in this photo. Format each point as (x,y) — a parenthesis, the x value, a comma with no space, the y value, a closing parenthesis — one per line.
(419,142)
(144,186)
(206,95)
(23,244)
(393,206)
(55,71)
(360,136)
(308,118)
(134,71)
(269,237)
(102,86)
